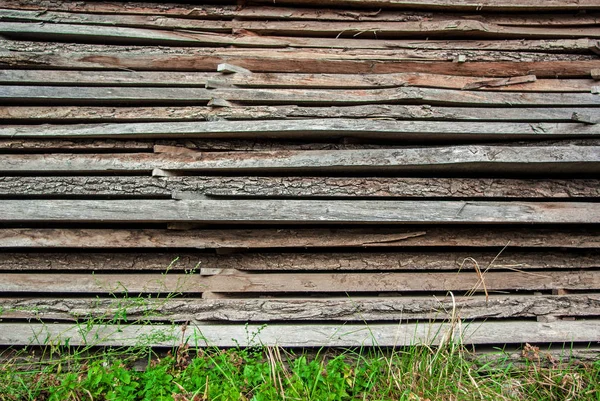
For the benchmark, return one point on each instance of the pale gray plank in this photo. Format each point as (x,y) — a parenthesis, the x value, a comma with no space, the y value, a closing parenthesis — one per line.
(332,335)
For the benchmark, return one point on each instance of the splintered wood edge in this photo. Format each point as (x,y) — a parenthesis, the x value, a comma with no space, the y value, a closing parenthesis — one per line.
(331,335)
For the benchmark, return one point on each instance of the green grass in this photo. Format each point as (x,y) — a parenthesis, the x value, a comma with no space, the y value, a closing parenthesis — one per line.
(268,373)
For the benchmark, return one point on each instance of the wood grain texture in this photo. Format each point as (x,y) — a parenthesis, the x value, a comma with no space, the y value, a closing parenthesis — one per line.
(49,95)
(91,114)
(330,187)
(102,28)
(292,61)
(297,211)
(264,12)
(527,83)
(310,129)
(328,335)
(508,260)
(241,282)
(420,236)
(358,309)
(472,159)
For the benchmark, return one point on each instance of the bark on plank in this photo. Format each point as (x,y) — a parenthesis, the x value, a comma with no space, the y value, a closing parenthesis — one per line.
(200,11)
(71,114)
(322,335)
(103,283)
(291,62)
(314,129)
(365,261)
(527,83)
(497,50)
(358,309)
(296,211)
(497,237)
(330,187)
(125,29)
(452,5)
(473,159)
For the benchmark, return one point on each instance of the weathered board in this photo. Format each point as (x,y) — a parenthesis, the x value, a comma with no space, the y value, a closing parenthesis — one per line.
(358,308)
(331,335)
(300,187)
(297,211)
(498,237)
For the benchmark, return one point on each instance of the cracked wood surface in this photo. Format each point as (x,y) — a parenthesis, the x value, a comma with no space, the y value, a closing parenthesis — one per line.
(357,309)
(53,95)
(242,282)
(290,61)
(314,129)
(507,260)
(306,335)
(330,187)
(473,159)
(78,27)
(264,12)
(261,211)
(313,81)
(57,114)
(498,237)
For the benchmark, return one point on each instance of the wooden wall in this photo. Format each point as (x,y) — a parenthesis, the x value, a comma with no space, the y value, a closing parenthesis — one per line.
(376,172)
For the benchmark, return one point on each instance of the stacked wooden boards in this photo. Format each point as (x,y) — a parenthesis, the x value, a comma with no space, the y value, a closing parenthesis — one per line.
(380,172)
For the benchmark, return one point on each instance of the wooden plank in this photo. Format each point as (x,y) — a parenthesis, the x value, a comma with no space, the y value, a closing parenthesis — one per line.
(293,61)
(268,261)
(359,309)
(331,187)
(476,49)
(102,283)
(318,129)
(48,95)
(473,159)
(527,83)
(57,26)
(497,237)
(452,5)
(296,211)
(265,12)
(328,335)
(71,114)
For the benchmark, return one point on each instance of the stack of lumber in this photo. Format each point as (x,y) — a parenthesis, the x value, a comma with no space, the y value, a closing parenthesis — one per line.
(309,173)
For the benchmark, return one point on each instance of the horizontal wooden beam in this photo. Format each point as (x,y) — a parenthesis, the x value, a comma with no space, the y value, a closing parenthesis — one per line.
(296,211)
(311,129)
(473,159)
(48,95)
(421,236)
(124,29)
(57,114)
(264,12)
(309,187)
(527,83)
(268,261)
(359,309)
(328,335)
(289,61)
(101,283)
